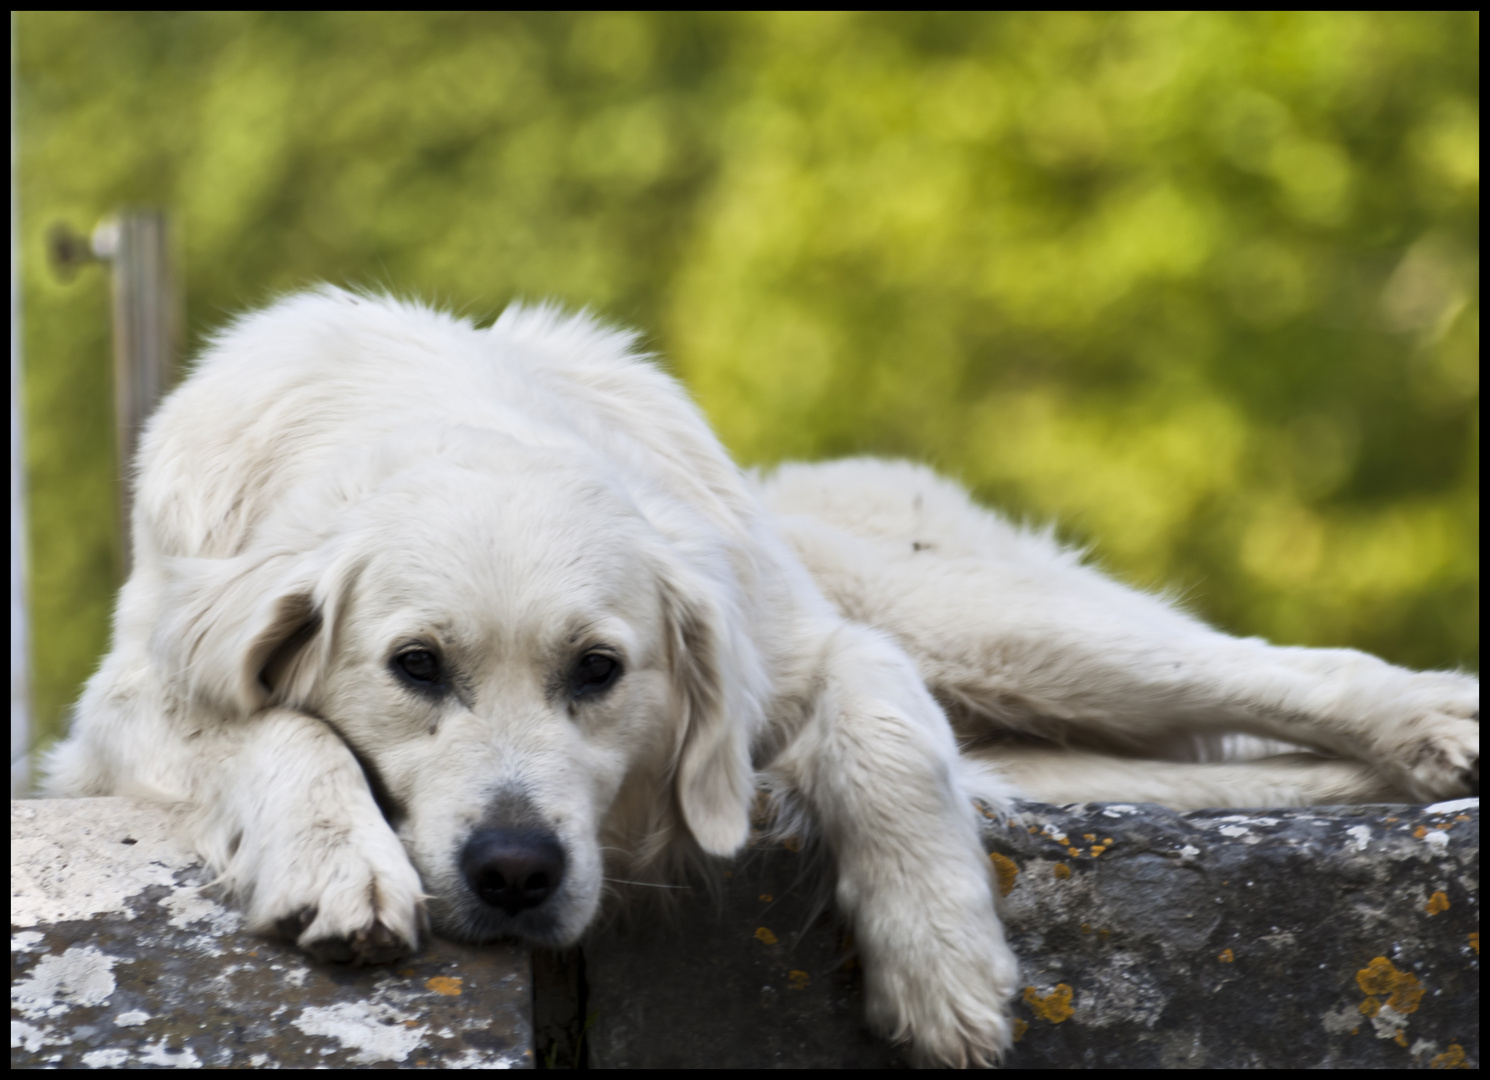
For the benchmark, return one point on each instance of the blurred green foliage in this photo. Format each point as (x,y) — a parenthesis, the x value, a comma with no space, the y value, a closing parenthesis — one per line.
(1202,287)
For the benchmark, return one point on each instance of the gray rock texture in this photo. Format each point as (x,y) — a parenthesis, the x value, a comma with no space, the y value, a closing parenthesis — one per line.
(1326,937)
(118,960)
(1315,938)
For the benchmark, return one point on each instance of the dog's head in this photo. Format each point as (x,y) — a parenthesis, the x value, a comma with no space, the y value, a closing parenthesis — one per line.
(534,677)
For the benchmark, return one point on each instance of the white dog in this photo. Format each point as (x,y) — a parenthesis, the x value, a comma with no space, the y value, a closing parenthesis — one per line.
(432,622)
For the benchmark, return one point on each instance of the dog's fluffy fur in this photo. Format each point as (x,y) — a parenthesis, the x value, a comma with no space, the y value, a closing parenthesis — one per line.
(432,622)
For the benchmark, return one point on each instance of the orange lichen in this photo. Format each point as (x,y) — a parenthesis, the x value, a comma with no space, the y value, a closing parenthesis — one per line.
(1006,869)
(799,980)
(446,985)
(1436,903)
(1054,1006)
(1474,942)
(1020,1027)
(1062,871)
(764,936)
(1452,1058)
(1381,977)
(766,898)
(1227,956)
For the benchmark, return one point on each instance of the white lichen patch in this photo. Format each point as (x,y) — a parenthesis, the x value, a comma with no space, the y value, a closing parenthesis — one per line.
(25,941)
(83,975)
(1388,1022)
(111,1057)
(189,906)
(29,1037)
(1342,1021)
(475,1059)
(373,1031)
(160,1053)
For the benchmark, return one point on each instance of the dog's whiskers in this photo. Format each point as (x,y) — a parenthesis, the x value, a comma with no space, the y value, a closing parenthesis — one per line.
(648,884)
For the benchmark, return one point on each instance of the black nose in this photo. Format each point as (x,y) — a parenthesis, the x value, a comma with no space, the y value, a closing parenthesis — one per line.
(513,869)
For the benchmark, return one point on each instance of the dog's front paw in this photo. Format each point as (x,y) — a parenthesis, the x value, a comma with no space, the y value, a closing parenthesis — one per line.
(1429,745)
(948,996)
(356,901)
(345,930)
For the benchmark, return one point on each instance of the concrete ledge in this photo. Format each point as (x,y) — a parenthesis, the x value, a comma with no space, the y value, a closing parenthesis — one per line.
(119,961)
(1328,937)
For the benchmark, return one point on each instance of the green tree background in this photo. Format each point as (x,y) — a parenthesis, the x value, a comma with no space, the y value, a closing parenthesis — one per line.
(1201,287)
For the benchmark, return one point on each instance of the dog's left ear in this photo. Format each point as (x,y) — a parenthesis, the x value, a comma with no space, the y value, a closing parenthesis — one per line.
(718,676)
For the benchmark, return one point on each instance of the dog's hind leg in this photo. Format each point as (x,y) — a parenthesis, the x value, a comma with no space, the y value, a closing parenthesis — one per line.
(1013,633)
(1060,775)
(1066,654)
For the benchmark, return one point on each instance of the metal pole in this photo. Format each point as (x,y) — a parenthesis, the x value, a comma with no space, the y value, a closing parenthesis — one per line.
(146,335)
(20,637)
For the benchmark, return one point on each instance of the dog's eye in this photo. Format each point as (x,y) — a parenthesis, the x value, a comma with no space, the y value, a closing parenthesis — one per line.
(595,673)
(419,665)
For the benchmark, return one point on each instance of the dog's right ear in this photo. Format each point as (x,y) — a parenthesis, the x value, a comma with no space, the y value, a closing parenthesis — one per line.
(249,631)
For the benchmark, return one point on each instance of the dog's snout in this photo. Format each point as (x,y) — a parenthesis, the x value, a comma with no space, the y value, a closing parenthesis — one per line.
(513,869)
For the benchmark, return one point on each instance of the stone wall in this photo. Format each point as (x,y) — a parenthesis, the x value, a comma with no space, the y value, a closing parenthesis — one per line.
(1329,937)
